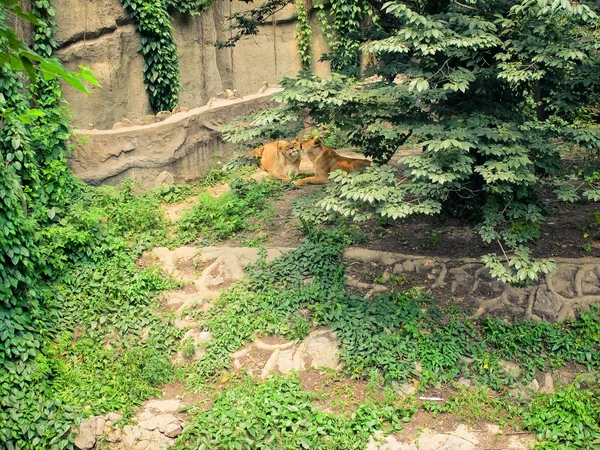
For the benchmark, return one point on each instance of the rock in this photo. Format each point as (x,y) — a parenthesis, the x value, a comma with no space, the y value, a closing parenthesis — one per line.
(100,423)
(465,382)
(81,19)
(180,109)
(548,386)
(131,434)
(378,442)
(510,368)
(142,445)
(405,389)
(116,63)
(173,430)
(148,119)
(264,88)
(321,347)
(162,115)
(164,178)
(86,436)
(285,362)
(546,305)
(180,146)
(90,126)
(409,266)
(272,347)
(159,422)
(271,364)
(126,122)
(398,268)
(535,385)
(164,406)
(118,126)
(114,417)
(113,436)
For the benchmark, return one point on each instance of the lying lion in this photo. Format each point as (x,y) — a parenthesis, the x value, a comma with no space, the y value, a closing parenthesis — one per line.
(325,161)
(280,158)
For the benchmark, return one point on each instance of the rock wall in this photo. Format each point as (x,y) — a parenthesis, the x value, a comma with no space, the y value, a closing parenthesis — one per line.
(100,34)
(180,149)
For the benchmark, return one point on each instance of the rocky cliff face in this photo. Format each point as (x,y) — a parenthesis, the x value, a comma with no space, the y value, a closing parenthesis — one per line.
(100,34)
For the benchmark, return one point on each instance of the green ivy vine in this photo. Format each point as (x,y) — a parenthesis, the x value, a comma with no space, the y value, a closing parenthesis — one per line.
(304,34)
(341,26)
(161,61)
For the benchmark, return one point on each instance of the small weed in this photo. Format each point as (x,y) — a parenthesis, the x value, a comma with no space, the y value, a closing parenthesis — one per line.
(187,347)
(434,239)
(587,247)
(256,241)
(475,405)
(173,193)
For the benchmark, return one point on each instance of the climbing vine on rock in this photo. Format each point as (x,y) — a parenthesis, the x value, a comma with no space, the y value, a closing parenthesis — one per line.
(304,34)
(341,26)
(161,61)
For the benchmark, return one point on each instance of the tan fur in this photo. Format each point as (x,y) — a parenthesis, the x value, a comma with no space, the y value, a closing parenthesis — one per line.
(279,158)
(325,161)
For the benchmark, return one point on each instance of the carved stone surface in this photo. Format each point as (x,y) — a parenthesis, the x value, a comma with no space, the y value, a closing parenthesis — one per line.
(572,287)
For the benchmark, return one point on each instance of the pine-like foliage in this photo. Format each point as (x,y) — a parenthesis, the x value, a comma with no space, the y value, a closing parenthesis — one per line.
(488,89)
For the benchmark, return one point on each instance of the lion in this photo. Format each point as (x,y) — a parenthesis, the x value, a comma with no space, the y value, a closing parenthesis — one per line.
(325,161)
(281,159)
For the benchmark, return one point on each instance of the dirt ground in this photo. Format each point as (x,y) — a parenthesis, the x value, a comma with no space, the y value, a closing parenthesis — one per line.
(570,231)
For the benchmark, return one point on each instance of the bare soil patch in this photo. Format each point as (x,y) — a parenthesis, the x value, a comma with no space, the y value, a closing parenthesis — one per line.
(568,229)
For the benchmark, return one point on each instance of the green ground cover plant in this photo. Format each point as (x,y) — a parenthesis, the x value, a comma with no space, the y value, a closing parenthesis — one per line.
(214,219)
(390,333)
(278,414)
(568,418)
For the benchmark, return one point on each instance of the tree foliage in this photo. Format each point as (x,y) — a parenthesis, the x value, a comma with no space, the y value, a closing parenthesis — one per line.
(487,89)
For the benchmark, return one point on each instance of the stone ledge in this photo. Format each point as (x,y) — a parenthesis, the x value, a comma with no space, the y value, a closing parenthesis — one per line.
(186,145)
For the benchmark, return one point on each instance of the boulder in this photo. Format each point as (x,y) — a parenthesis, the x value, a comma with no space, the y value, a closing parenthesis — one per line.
(86,436)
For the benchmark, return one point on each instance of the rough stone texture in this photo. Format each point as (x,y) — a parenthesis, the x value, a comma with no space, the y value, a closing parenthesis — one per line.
(200,76)
(159,422)
(182,144)
(319,349)
(86,436)
(99,34)
(83,19)
(173,430)
(572,287)
(118,67)
(462,438)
